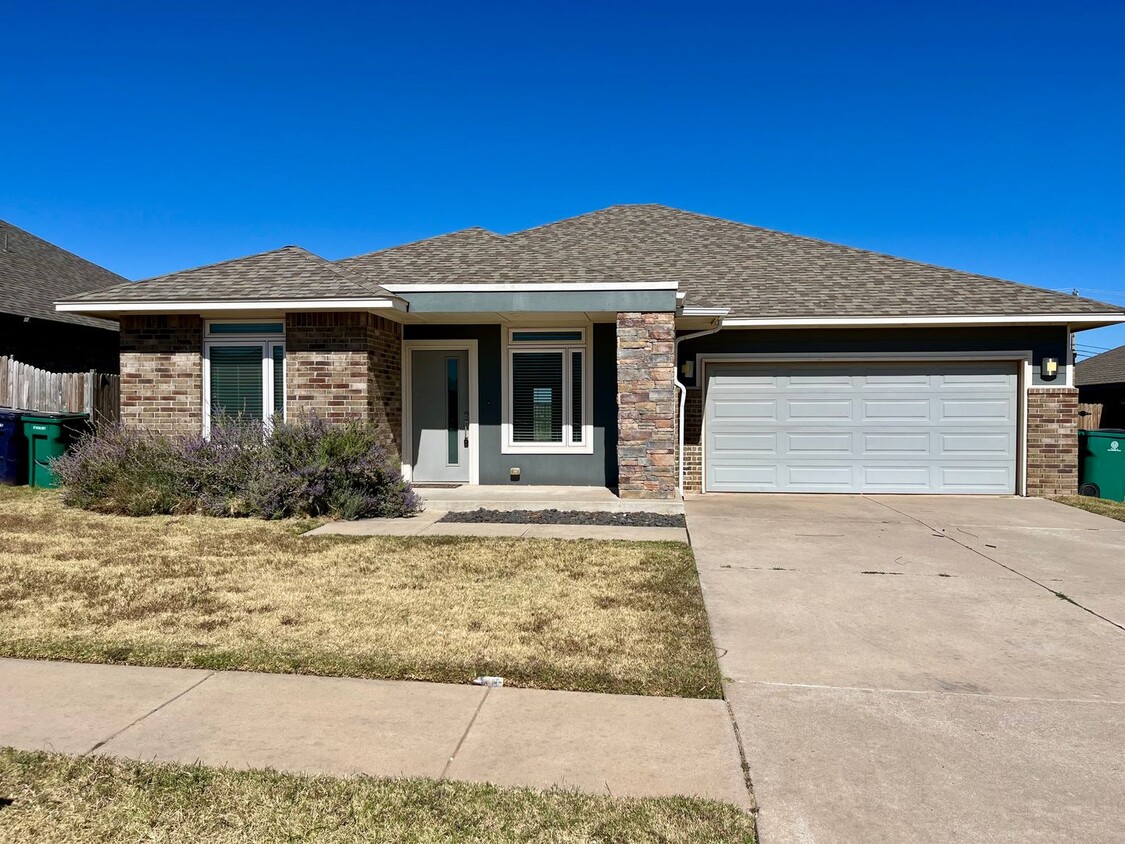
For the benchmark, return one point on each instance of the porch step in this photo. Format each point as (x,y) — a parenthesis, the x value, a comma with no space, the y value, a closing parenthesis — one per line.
(582,498)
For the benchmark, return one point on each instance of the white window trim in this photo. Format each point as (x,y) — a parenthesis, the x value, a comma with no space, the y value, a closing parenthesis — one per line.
(507,443)
(267,341)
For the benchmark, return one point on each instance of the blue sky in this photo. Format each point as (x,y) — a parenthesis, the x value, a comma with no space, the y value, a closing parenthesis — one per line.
(151,137)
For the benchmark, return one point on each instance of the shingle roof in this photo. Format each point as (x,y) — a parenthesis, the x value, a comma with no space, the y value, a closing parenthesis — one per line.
(1106,368)
(35,273)
(759,272)
(287,273)
(472,256)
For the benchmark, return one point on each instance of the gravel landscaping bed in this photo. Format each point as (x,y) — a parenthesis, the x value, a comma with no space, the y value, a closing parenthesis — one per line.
(564,517)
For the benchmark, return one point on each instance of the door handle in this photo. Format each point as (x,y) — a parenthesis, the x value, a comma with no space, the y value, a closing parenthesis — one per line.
(465,425)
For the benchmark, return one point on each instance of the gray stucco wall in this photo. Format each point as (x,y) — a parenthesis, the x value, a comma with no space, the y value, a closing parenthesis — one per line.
(1043,341)
(549,301)
(597,469)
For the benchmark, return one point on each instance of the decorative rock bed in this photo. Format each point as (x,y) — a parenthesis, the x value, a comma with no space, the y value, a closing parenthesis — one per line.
(564,517)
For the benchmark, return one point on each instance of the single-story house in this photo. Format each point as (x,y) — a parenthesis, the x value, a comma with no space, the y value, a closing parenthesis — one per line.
(569,353)
(34,274)
(1101,380)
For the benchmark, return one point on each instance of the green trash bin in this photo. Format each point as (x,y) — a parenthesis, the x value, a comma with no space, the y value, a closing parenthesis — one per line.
(1101,463)
(49,435)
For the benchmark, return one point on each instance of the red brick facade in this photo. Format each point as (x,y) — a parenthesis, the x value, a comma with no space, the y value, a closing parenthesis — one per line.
(646,405)
(344,366)
(1052,441)
(162,373)
(693,446)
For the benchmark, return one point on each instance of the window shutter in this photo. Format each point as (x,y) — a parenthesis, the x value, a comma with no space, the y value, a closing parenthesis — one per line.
(236,382)
(537,400)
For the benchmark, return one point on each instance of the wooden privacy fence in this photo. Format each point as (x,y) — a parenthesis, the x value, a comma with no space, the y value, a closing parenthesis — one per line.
(1089,417)
(24,387)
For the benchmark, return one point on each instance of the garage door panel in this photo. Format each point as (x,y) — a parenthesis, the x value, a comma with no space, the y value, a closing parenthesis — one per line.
(814,443)
(976,410)
(884,409)
(802,409)
(862,427)
(886,443)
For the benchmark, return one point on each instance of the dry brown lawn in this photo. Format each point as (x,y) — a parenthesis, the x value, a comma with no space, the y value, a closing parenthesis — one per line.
(1113,509)
(65,800)
(205,592)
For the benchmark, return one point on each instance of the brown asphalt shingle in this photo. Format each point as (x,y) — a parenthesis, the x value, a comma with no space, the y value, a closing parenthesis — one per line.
(287,273)
(35,273)
(1106,368)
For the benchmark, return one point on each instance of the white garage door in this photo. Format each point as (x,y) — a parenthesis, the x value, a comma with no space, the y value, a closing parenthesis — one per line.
(861,427)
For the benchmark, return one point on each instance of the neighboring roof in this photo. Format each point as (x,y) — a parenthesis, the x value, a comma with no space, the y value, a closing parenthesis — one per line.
(761,273)
(1106,368)
(35,273)
(283,274)
(471,256)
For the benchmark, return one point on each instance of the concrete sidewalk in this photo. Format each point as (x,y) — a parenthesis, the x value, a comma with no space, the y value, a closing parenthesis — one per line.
(615,744)
(427,524)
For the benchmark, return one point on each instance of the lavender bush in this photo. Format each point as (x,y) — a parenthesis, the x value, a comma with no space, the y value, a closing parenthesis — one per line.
(305,468)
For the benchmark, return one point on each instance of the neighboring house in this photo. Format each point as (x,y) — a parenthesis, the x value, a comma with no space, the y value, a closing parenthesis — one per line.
(1101,380)
(556,355)
(34,274)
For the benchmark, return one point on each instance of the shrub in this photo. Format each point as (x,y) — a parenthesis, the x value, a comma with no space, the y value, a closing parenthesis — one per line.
(306,468)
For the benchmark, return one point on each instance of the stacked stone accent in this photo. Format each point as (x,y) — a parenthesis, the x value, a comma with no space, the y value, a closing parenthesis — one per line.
(162,373)
(345,366)
(693,445)
(1052,441)
(646,405)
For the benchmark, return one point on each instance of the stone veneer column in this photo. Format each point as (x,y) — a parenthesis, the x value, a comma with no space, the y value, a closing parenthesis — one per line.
(162,373)
(646,405)
(345,366)
(1052,441)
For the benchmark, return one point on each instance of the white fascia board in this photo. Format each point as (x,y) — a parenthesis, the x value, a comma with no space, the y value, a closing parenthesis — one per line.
(532,287)
(241,305)
(998,319)
(689,311)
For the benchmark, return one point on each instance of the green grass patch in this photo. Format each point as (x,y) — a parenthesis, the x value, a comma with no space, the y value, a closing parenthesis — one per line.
(64,799)
(1112,509)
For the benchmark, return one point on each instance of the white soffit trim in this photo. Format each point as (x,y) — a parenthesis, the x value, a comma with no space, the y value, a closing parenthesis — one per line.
(690,311)
(996,319)
(532,287)
(240,305)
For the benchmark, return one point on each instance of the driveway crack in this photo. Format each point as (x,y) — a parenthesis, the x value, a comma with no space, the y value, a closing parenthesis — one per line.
(979,553)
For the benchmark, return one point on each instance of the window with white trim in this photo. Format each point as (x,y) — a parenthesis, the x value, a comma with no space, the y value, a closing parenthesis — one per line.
(546,391)
(243,371)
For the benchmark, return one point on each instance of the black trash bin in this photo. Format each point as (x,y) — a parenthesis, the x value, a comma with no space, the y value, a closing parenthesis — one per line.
(13,448)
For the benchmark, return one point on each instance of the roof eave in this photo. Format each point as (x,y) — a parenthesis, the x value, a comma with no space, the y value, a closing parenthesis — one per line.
(391,305)
(1075,321)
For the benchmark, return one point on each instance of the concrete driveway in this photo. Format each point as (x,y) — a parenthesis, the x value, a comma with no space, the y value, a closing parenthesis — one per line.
(903,668)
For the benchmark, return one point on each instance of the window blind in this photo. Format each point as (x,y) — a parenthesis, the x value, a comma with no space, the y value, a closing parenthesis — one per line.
(537,399)
(236,382)
(278,353)
(576,397)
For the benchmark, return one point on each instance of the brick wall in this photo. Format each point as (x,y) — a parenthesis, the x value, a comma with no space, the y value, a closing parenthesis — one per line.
(646,405)
(1052,441)
(693,446)
(345,366)
(162,373)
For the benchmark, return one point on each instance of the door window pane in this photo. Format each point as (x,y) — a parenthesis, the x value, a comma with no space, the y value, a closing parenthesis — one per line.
(278,353)
(452,404)
(537,399)
(576,397)
(236,382)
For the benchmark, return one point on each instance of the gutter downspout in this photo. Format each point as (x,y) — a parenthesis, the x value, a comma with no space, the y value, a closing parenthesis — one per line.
(718,326)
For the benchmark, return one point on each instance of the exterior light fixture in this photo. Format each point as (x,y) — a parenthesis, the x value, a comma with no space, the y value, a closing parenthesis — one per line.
(1049,367)
(687,369)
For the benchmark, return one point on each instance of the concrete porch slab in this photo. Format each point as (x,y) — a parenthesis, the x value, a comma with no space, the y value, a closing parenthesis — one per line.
(428,525)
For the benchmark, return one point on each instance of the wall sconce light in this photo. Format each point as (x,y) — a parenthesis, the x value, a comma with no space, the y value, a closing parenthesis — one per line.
(687,369)
(1049,367)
